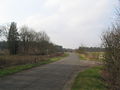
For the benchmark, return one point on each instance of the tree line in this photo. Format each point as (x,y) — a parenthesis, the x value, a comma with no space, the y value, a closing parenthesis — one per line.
(90,49)
(26,41)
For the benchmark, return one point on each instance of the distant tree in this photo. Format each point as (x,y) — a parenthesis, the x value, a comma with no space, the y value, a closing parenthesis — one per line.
(13,38)
(90,49)
(0,32)
(3,45)
(28,40)
(81,50)
(44,36)
(4,30)
(32,42)
(44,43)
(24,37)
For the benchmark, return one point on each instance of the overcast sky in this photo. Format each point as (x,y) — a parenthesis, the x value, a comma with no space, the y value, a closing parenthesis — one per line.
(69,23)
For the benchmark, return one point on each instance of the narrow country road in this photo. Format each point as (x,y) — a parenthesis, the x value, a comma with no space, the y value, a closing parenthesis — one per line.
(54,76)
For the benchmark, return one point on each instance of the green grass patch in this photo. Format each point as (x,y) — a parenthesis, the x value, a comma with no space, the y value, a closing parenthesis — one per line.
(58,58)
(18,68)
(89,79)
(82,57)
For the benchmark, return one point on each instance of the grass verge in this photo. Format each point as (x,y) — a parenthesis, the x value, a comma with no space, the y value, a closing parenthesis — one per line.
(89,79)
(18,68)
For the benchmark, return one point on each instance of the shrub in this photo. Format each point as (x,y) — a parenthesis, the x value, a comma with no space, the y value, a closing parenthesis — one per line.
(111,41)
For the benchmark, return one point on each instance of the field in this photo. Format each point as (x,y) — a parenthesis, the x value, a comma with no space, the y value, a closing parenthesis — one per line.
(98,56)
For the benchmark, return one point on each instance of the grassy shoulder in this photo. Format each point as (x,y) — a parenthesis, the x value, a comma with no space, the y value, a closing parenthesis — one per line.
(18,68)
(89,79)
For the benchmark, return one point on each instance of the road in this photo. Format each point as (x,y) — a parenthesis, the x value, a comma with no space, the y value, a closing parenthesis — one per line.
(54,76)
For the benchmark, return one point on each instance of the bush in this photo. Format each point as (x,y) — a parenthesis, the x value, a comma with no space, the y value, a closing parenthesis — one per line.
(112,57)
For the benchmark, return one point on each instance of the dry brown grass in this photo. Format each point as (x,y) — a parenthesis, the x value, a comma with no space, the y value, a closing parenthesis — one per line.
(6,61)
(12,60)
(92,55)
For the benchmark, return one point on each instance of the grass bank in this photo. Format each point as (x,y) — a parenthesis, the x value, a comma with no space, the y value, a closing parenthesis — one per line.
(89,79)
(18,68)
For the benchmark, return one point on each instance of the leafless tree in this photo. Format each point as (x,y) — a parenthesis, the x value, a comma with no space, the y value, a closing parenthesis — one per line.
(4,30)
(27,36)
(30,41)
(111,42)
(35,42)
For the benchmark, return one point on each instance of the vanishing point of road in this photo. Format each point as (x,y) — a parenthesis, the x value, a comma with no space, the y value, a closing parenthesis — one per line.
(54,76)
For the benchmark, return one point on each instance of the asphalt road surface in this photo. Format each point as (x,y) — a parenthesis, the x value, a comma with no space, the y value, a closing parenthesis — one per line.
(54,76)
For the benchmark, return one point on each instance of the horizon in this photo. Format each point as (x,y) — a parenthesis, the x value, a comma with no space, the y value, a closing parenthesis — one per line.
(69,24)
